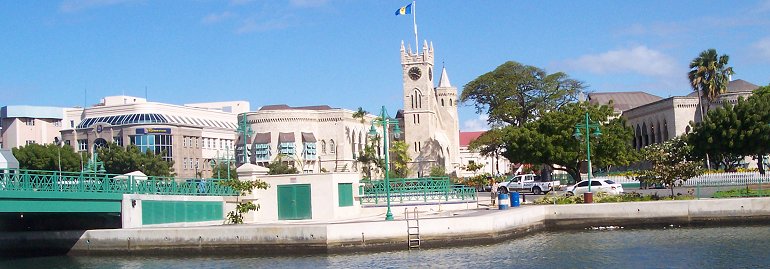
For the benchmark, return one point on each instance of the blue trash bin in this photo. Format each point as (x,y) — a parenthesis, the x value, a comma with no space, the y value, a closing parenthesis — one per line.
(502,201)
(515,199)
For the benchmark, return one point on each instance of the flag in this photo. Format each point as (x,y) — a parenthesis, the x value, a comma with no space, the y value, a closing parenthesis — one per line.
(404,10)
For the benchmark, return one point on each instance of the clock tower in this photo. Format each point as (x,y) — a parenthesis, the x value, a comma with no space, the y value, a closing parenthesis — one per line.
(430,123)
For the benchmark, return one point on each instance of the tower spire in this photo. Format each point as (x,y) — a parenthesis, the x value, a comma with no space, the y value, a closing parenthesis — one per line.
(444,82)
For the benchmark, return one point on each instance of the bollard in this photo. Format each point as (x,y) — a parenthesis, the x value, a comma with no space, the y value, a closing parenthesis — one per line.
(588,198)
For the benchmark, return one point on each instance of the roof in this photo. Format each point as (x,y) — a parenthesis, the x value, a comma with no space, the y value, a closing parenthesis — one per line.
(623,100)
(262,138)
(7,160)
(308,137)
(467,137)
(737,85)
(286,107)
(285,137)
(444,82)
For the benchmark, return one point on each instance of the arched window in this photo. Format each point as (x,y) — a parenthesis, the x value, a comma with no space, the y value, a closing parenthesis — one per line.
(659,135)
(652,133)
(442,101)
(645,137)
(323,146)
(665,130)
(332,147)
(638,137)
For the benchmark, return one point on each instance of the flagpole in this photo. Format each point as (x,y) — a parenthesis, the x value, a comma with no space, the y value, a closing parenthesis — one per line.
(414,21)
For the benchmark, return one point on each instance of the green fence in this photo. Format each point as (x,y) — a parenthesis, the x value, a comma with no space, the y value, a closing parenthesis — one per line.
(54,181)
(415,190)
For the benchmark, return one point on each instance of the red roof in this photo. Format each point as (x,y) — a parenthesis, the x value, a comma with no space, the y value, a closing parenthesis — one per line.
(467,137)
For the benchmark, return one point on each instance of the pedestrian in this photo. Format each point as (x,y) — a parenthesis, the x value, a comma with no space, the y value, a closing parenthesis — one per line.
(493,190)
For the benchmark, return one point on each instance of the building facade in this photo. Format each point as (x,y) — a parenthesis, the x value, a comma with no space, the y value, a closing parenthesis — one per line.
(313,139)
(190,136)
(24,125)
(431,125)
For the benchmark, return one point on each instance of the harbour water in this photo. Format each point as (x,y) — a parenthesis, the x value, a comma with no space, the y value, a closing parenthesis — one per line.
(616,247)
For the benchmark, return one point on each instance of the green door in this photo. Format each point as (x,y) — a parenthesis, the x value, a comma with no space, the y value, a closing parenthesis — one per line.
(294,202)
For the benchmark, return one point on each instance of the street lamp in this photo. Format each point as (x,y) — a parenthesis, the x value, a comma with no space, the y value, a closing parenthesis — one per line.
(588,197)
(57,141)
(244,129)
(385,120)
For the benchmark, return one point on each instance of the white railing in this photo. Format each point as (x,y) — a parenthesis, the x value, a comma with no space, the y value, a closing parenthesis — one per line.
(706,180)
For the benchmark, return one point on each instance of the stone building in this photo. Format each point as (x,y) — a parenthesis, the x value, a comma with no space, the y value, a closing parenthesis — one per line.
(431,125)
(311,138)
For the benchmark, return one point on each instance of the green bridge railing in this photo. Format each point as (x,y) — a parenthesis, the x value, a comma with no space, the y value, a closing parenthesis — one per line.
(411,190)
(54,181)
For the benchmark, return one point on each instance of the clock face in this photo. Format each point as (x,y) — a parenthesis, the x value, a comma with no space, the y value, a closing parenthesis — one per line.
(415,73)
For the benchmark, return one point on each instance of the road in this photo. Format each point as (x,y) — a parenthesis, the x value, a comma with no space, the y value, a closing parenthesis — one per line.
(702,192)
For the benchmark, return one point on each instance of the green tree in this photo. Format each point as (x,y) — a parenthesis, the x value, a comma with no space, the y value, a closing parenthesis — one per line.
(220,170)
(437,171)
(369,159)
(243,187)
(709,75)
(278,167)
(399,158)
(514,94)
(46,157)
(548,140)
(672,163)
(473,167)
(120,160)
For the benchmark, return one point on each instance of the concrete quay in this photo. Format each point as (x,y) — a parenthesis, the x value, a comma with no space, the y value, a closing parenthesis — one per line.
(437,229)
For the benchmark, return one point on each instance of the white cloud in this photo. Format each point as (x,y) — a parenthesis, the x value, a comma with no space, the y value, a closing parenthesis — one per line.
(253,25)
(478,124)
(78,5)
(308,3)
(763,47)
(217,17)
(639,59)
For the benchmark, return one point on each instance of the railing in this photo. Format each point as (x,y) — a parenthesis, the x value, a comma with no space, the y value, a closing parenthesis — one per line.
(54,181)
(708,180)
(411,190)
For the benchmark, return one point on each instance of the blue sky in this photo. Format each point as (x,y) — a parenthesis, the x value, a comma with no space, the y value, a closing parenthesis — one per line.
(345,53)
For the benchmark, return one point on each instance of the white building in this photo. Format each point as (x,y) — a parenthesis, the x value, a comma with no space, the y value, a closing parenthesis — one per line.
(311,138)
(24,125)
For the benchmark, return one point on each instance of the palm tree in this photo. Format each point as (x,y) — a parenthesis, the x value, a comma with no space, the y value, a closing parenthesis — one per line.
(709,76)
(361,113)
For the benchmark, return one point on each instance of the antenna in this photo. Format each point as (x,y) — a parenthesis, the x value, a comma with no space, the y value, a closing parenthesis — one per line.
(145,93)
(85,97)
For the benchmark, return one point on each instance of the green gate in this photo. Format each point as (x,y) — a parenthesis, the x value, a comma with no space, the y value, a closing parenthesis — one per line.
(294,202)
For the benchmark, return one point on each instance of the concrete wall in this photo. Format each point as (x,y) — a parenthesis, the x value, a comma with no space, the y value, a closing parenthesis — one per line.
(323,191)
(131,209)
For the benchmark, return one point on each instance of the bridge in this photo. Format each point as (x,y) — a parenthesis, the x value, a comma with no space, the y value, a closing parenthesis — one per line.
(137,199)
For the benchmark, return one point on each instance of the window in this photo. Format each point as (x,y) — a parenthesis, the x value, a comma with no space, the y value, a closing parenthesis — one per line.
(118,140)
(196,142)
(332,147)
(323,147)
(82,144)
(286,148)
(160,144)
(29,122)
(72,124)
(583,184)
(184,163)
(262,152)
(67,142)
(310,151)
(57,123)
(30,142)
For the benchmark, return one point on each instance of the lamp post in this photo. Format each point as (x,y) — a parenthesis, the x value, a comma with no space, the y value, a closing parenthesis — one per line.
(385,120)
(588,197)
(58,146)
(245,129)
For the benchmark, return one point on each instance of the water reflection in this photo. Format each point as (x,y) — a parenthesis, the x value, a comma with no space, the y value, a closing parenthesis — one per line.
(669,247)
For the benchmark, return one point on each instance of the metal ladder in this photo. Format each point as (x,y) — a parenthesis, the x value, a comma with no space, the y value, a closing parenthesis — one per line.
(412,228)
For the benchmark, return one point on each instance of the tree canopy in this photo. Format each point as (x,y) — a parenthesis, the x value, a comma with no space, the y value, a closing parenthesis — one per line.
(548,140)
(46,157)
(709,74)
(515,94)
(120,160)
(672,163)
(734,131)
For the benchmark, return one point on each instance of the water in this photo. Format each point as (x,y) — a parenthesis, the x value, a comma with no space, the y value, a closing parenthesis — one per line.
(666,247)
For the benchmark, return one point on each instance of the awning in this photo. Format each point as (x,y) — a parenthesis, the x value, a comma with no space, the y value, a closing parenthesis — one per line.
(262,138)
(285,137)
(7,160)
(308,137)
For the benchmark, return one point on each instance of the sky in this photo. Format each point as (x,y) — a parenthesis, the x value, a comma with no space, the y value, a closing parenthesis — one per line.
(345,53)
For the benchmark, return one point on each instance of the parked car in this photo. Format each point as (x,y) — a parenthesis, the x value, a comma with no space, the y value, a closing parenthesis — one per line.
(597,185)
(527,183)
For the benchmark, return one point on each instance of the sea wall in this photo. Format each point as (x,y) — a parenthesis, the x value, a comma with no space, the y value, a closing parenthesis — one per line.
(447,228)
